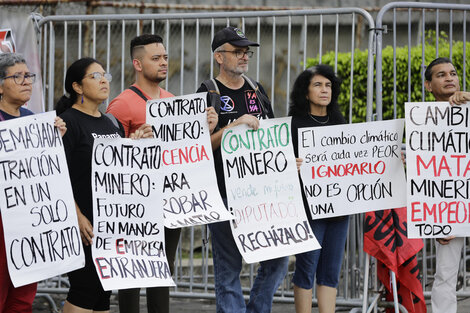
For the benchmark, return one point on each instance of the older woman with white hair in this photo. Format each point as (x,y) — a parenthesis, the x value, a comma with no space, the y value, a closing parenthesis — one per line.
(16,85)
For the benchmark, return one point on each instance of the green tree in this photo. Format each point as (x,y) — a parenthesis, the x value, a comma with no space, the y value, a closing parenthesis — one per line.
(417,70)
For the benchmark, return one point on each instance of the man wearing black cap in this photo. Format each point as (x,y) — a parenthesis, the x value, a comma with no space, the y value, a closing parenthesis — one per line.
(238,100)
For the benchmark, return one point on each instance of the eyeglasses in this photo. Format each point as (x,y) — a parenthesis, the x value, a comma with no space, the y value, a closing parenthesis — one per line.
(20,78)
(98,76)
(239,53)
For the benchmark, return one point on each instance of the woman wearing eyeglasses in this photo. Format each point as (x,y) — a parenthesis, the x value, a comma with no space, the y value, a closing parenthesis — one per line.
(16,85)
(87,86)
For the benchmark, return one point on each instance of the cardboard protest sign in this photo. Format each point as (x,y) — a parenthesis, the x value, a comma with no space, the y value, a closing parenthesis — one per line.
(352,168)
(263,191)
(190,193)
(129,244)
(438,169)
(42,237)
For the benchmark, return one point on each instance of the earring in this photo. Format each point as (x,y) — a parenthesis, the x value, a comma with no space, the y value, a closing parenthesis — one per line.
(82,98)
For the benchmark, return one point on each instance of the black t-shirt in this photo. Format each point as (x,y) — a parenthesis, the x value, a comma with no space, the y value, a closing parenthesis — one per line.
(82,129)
(235,103)
(307,121)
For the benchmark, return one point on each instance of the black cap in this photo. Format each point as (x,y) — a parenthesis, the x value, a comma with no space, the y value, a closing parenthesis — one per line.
(231,35)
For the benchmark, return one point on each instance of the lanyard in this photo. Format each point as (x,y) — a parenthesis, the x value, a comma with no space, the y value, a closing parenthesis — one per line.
(1,117)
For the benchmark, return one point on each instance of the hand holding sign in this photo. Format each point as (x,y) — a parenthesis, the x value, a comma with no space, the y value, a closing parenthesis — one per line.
(86,229)
(212,118)
(144,131)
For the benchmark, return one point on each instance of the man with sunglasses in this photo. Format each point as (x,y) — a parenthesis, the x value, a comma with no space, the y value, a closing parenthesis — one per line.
(238,100)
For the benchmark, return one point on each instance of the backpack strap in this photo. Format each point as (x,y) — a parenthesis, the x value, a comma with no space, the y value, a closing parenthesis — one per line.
(263,99)
(215,87)
(213,95)
(113,119)
(138,92)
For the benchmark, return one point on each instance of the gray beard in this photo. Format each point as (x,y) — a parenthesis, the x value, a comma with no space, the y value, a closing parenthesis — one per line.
(240,72)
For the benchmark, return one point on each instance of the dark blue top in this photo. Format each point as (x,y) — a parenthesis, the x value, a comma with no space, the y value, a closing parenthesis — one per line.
(23,112)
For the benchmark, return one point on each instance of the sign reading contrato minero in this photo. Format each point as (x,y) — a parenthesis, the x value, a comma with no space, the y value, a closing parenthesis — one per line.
(263,191)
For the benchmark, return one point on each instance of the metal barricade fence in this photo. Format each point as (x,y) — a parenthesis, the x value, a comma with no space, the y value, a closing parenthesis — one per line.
(453,18)
(287,39)
(456,18)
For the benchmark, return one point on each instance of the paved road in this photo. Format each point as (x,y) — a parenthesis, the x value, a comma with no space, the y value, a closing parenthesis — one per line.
(202,306)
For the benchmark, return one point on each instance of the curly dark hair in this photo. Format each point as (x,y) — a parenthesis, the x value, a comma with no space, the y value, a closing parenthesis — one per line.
(300,105)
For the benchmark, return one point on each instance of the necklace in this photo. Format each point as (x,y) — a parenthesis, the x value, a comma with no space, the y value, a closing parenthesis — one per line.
(320,122)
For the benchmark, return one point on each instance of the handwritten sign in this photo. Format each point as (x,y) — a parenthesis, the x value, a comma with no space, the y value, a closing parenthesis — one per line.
(438,169)
(129,245)
(353,168)
(190,193)
(42,237)
(263,191)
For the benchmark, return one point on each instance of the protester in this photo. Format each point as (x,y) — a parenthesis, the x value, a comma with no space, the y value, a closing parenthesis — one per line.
(313,103)
(87,86)
(443,82)
(150,61)
(230,87)
(16,85)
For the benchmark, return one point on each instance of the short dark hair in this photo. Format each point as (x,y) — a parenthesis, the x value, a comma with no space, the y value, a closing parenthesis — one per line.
(300,105)
(428,72)
(143,40)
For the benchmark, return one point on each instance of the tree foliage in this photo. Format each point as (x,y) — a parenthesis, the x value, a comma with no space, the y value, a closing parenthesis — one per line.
(417,68)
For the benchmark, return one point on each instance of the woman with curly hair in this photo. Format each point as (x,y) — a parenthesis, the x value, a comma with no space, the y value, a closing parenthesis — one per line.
(314,104)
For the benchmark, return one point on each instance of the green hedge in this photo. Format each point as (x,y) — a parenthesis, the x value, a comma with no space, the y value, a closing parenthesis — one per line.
(360,74)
